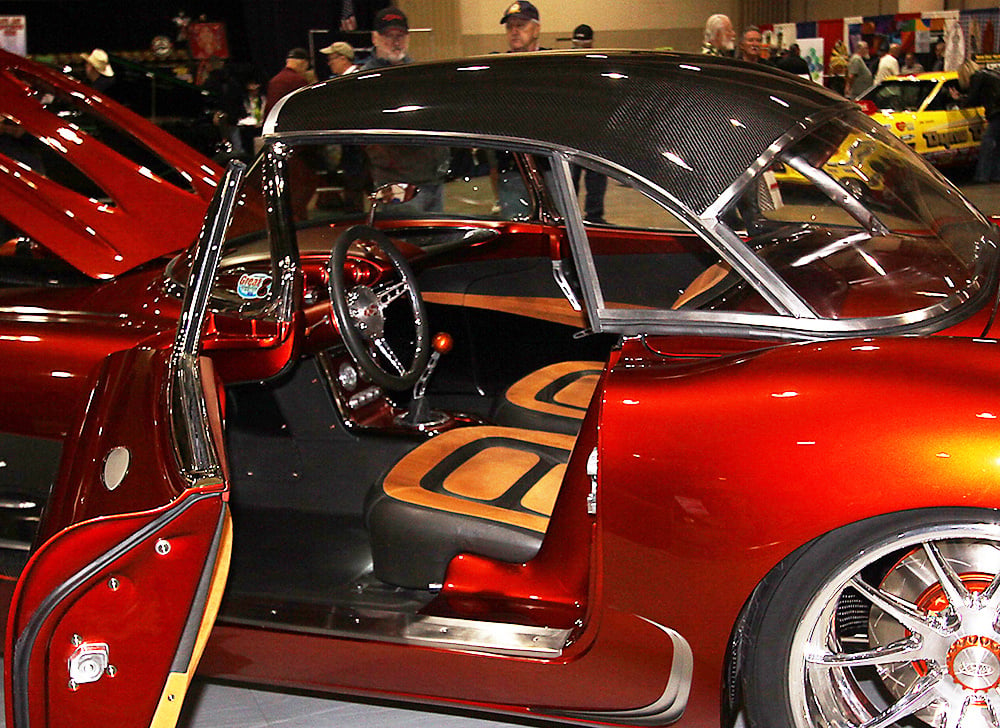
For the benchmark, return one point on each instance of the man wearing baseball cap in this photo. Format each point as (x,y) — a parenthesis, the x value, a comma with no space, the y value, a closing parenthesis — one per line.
(395,163)
(340,58)
(289,78)
(391,38)
(583,36)
(523,27)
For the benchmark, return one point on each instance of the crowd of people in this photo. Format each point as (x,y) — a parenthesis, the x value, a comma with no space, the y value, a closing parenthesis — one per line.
(246,104)
(848,74)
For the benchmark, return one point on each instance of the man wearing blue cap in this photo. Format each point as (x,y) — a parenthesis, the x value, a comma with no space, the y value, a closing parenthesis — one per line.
(523,27)
(392,163)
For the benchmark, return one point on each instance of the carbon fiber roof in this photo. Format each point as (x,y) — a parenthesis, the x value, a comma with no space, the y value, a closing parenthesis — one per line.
(689,123)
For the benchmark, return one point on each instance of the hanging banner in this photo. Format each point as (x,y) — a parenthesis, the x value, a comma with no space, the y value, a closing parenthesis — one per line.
(207,40)
(13,34)
(812,52)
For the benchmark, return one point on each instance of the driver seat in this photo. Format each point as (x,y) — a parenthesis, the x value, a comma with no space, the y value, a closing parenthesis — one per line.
(554,398)
(484,490)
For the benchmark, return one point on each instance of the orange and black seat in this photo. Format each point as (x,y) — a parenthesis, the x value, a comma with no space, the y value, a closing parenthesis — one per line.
(483,490)
(553,398)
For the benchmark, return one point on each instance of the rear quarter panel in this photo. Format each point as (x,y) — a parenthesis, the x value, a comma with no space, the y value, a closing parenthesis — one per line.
(713,470)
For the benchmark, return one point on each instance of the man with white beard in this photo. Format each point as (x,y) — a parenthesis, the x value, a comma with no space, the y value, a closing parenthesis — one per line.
(720,38)
(391,38)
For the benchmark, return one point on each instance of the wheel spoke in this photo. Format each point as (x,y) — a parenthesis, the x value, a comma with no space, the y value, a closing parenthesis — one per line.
(904,650)
(904,612)
(991,710)
(954,589)
(991,594)
(922,693)
(983,709)
(383,347)
(390,292)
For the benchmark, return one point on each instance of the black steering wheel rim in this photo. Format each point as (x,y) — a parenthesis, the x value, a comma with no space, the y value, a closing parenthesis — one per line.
(360,312)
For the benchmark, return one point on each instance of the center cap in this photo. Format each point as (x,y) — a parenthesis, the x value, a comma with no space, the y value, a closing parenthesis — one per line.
(366,312)
(974,663)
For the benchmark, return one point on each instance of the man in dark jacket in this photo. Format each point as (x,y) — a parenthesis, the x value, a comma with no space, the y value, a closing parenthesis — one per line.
(793,62)
(982,88)
(289,78)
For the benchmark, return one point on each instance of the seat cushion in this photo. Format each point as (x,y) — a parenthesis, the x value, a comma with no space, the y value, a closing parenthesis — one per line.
(553,398)
(482,490)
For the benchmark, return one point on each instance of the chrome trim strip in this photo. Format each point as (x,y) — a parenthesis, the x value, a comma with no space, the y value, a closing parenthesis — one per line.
(34,314)
(670,706)
(796,132)
(495,638)
(9,545)
(838,195)
(385,625)
(758,274)
(206,258)
(281,229)
(799,321)
(590,285)
(194,447)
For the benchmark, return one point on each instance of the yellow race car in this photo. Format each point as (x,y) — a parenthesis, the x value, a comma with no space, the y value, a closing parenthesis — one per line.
(920,111)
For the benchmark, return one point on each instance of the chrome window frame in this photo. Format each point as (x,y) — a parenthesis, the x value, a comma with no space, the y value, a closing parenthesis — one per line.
(794,318)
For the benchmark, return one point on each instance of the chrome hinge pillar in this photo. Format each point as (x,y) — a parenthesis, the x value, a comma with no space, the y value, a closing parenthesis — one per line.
(592,472)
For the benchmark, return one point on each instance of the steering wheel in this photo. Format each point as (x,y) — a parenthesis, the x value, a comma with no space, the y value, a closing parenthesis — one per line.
(361,312)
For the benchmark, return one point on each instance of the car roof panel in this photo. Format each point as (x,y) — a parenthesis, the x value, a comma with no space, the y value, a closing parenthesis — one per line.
(690,123)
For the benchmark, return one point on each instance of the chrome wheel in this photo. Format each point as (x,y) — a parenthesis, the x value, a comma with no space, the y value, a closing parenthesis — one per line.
(904,633)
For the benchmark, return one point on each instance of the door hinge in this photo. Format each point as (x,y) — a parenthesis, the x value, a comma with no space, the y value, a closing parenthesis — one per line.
(592,472)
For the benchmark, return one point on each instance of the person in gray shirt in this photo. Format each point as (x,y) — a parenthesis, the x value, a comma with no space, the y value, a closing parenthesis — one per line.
(859,75)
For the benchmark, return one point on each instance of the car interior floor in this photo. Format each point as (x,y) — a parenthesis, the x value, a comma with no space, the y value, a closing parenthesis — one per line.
(299,482)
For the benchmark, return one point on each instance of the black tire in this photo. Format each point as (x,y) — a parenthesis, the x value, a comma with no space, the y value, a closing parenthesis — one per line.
(896,614)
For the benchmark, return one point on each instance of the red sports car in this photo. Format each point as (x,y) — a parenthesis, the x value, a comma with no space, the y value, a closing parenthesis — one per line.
(729,455)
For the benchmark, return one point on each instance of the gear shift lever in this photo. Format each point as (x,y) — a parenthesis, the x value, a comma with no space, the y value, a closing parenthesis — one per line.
(420,414)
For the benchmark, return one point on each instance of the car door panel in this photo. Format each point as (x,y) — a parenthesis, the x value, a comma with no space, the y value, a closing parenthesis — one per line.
(111,614)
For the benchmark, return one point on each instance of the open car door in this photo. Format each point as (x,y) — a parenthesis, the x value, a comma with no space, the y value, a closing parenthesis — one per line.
(111,614)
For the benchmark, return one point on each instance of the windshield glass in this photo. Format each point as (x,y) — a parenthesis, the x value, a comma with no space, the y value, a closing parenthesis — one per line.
(858,227)
(899,95)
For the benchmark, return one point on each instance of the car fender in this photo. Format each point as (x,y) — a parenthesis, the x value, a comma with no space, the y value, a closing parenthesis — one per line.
(734,462)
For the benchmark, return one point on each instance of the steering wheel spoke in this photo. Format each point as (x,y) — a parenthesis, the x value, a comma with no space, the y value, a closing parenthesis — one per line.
(382,346)
(390,292)
(361,312)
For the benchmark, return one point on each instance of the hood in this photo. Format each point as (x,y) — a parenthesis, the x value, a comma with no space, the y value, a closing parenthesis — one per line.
(89,180)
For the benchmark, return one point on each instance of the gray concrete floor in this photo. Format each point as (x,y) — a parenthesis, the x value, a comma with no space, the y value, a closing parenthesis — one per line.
(211,705)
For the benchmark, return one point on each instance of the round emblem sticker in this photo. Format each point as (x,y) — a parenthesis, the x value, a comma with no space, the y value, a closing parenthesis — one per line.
(254,285)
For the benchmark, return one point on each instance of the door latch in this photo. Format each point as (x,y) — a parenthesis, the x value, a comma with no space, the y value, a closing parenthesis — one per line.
(88,663)
(592,472)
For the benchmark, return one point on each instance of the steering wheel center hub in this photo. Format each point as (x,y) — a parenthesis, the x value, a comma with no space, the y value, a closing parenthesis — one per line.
(366,311)
(974,662)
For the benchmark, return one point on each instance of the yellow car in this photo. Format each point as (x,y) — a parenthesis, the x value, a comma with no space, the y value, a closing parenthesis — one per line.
(920,111)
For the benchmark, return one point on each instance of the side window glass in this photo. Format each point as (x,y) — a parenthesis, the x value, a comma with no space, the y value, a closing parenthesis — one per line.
(335,182)
(647,258)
